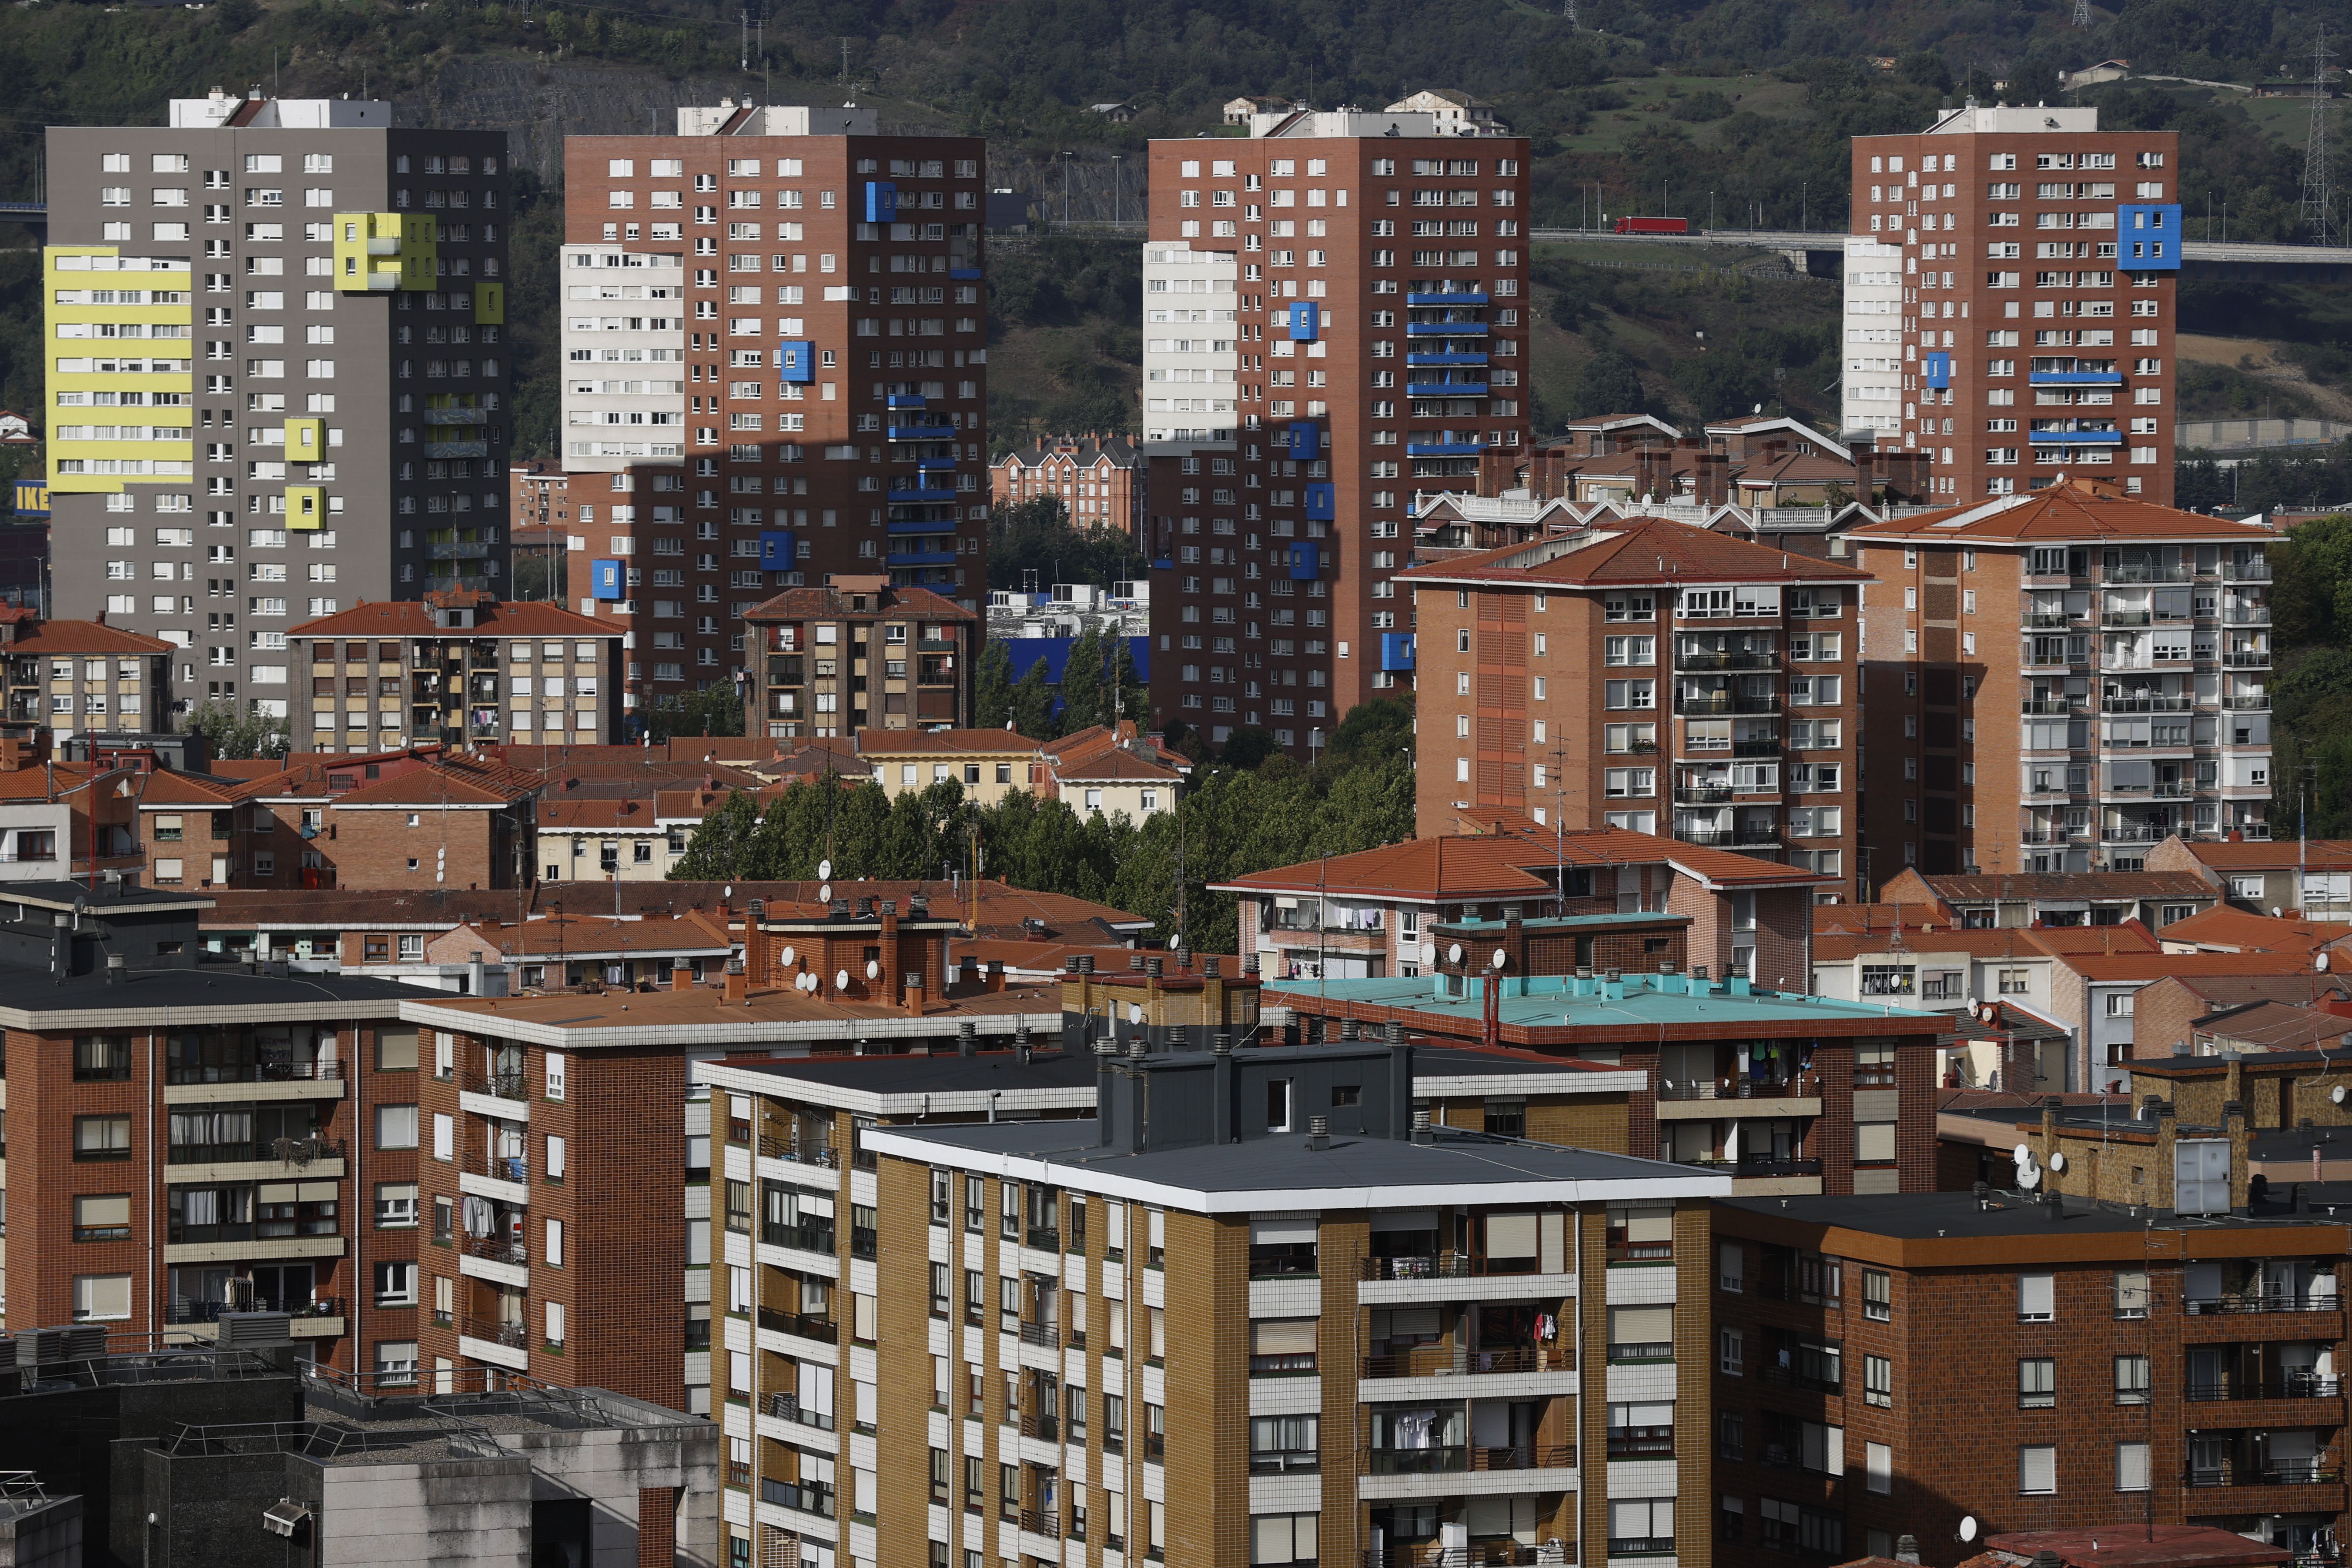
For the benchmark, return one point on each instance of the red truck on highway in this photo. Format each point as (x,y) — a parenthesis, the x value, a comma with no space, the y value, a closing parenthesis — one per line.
(1653,225)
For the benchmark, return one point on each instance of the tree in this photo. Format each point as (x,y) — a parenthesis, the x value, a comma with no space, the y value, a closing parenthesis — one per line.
(233,732)
(1084,700)
(1032,702)
(1610,382)
(1035,536)
(992,702)
(721,844)
(1249,747)
(716,710)
(1372,732)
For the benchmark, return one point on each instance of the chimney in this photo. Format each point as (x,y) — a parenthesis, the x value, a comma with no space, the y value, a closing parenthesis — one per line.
(890,951)
(967,1037)
(735,980)
(1906,1548)
(114,969)
(1318,1132)
(1221,1089)
(1422,1131)
(1021,1045)
(681,976)
(995,981)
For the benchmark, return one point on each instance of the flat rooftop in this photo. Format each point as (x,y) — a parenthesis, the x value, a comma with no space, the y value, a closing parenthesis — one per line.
(1353,1172)
(201,993)
(701,1016)
(1548,1005)
(1926,1217)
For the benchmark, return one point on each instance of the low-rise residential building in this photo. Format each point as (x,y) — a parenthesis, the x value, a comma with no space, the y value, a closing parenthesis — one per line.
(1783,1091)
(2126,1369)
(2252,871)
(60,819)
(1098,479)
(1112,771)
(1643,674)
(2155,899)
(460,668)
(1253,1310)
(1372,913)
(2170,1016)
(67,677)
(989,763)
(858,652)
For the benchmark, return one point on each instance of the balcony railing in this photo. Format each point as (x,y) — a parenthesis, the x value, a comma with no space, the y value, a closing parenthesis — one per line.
(1477,1555)
(807,1325)
(499,1085)
(1042,1424)
(1715,658)
(1285,1363)
(774,1148)
(2261,1301)
(1443,1266)
(806,1237)
(2246,658)
(496,1250)
(1702,705)
(497,1330)
(1285,1462)
(295,1150)
(1641,1442)
(1725,837)
(1046,1334)
(1443,1360)
(252,1072)
(1436,1459)
(2246,571)
(1036,1522)
(181,1310)
(2291,1386)
(1046,1237)
(507,1167)
(808,1499)
(1524,1456)
(788,1408)
(1800,1086)
(1755,1166)
(2276,1473)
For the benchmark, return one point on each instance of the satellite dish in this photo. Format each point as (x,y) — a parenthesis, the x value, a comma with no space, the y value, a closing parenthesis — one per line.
(824,893)
(2337,1094)
(1968,1527)
(1500,957)
(872,968)
(2027,1179)
(1134,1013)
(2023,1155)
(841,980)
(1429,953)
(2057,1161)
(2276,912)
(2319,961)
(1176,940)
(1453,954)
(824,871)
(787,957)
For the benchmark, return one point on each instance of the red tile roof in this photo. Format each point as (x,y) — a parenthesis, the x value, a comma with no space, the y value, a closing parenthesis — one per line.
(2147,966)
(2271,854)
(414,618)
(2074,509)
(63,637)
(939,742)
(1641,549)
(912,603)
(2224,928)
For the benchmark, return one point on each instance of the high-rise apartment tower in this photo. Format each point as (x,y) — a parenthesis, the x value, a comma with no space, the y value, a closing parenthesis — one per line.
(305,308)
(2009,300)
(1332,320)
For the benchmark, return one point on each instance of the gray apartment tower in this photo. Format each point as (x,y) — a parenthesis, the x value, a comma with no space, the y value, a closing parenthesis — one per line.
(309,338)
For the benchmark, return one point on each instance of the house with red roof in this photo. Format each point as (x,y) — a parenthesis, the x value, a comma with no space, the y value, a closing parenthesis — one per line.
(70,678)
(2309,877)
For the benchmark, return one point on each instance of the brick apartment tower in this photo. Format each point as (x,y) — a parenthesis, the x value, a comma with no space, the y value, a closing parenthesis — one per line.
(2011,290)
(323,419)
(1331,320)
(1648,676)
(2137,705)
(792,382)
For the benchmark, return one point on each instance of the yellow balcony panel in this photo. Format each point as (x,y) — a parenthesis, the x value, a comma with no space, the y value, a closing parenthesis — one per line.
(491,303)
(305,440)
(306,507)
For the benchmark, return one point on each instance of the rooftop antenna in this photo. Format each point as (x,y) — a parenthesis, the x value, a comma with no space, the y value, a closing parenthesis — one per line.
(742,40)
(2082,15)
(1568,9)
(2318,199)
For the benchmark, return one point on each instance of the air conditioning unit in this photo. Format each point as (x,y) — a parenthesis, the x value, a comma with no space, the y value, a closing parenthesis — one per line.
(255,1331)
(47,1347)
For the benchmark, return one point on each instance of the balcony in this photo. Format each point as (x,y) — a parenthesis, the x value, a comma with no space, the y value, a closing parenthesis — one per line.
(2134,574)
(1799,1087)
(805,1325)
(504,1085)
(325,1067)
(2049,621)
(2246,658)
(505,1167)
(2048,706)
(456,448)
(1754,1166)
(2159,703)
(1442,1265)
(1035,1522)
(2260,1301)
(1429,1461)
(1771,746)
(1641,1442)
(809,1235)
(296,1152)
(2125,618)
(817,1501)
(786,1149)
(2276,1473)
(1046,1334)
(2247,617)
(180,1309)
(1720,659)
(1476,1554)
(496,1332)
(455,416)
(1445,389)
(2246,702)
(2286,1385)
(2246,571)
(788,1408)
(496,1250)
(1457,1361)
(1707,705)
(1728,837)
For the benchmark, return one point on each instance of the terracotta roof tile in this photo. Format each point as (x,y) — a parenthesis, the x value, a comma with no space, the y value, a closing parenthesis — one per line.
(934,743)
(62,637)
(2072,509)
(414,618)
(1647,550)
(2222,927)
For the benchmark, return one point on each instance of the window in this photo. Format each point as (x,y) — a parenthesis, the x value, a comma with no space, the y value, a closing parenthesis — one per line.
(101,1216)
(1878,1381)
(1282,1538)
(1730,1266)
(396,1360)
(396,1127)
(2037,1384)
(396,1048)
(444,1136)
(1284,1444)
(2132,1379)
(395,1206)
(1641,1526)
(2131,1467)
(101,1298)
(1873,1144)
(2037,1298)
(1278,1105)
(1731,1352)
(2037,1469)
(2131,1292)
(1877,1295)
(554,1157)
(100,1059)
(1878,1467)
(554,1074)
(102,1137)
(395,1284)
